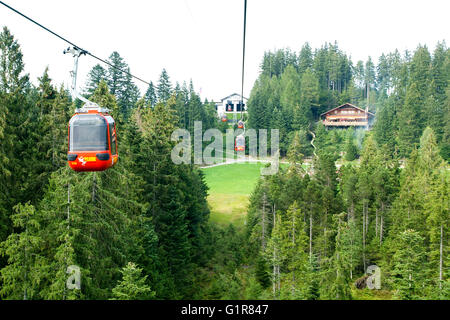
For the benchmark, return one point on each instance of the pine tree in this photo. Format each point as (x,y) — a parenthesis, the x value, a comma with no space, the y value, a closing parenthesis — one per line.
(369,79)
(407,207)
(3,158)
(274,254)
(439,70)
(133,285)
(437,210)
(350,244)
(104,98)
(412,116)
(445,143)
(261,272)
(176,214)
(385,187)
(20,278)
(409,260)
(348,188)
(150,95)
(253,289)
(421,205)
(50,134)
(294,247)
(87,220)
(365,175)
(306,110)
(351,151)
(264,97)
(164,87)
(344,258)
(258,219)
(305,58)
(128,95)
(383,76)
(196,111)
(325,173)
(410,124)
(295,155)
(121,85)
(12,66)
(97,74)
(360,76)
(290,89)
(433,184)
(430,159)
(279,122)
(115,77)
(384,127)
(421,70)
(16,143)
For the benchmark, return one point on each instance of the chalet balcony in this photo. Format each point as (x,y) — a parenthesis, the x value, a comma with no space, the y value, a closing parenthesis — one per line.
(347,116)
(345,123)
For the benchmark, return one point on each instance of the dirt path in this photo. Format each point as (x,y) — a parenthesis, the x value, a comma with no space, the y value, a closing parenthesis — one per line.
(245,160)
(312,142)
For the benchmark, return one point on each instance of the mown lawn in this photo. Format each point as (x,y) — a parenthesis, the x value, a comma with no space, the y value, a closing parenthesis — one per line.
(229,189)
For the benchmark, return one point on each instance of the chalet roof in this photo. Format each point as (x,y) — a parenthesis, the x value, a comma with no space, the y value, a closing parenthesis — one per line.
(347,104)
(234,94)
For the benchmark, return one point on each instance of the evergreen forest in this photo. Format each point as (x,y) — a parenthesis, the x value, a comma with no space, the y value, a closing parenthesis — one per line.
(142,230)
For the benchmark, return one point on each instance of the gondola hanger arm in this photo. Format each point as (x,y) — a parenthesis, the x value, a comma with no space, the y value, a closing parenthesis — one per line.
(89,105)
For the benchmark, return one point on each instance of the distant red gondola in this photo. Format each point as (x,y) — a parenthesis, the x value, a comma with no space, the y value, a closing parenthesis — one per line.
(239,144)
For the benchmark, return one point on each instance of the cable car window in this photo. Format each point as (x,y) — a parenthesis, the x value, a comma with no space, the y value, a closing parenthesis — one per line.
(88,133)
(112,137)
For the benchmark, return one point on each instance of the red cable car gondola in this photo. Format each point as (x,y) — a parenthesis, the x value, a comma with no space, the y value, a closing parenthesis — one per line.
(239,144)
(92,141)
(92,131)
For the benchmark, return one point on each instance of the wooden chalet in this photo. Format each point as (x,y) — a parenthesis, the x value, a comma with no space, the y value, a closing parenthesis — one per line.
(346,116)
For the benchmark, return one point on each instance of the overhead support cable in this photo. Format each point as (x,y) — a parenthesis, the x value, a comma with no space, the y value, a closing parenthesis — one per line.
(243,58)
(72,44)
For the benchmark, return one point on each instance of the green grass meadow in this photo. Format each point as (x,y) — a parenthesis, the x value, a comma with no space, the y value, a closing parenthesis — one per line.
(229,189)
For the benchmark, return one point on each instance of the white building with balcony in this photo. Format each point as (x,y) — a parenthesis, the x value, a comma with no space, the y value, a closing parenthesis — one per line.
(231,104)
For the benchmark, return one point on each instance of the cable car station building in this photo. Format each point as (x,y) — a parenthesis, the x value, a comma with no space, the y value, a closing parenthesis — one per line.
(231,105)
(346,116)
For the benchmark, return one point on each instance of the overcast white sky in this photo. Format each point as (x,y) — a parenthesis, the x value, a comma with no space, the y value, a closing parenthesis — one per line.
(202,39)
